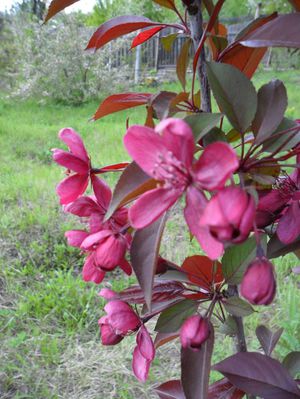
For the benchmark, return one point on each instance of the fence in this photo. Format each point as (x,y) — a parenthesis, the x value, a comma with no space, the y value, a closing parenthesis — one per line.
(153,58)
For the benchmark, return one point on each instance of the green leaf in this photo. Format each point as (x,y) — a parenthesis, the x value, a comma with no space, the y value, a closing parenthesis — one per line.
(171,319)
(229,327)
(234,93)
(202,123)
(183,62)
(215,134)
(167,41)
(236,259)
(238,307)
(292,363)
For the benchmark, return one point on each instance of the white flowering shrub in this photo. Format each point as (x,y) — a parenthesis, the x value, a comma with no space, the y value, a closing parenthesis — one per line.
(51,61)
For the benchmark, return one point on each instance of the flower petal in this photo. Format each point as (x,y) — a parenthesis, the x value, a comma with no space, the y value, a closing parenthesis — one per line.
(126,267)
(70,161)
(74,142)
(289,224)
(102,192)
(82,206)
(108,336)
(110,252)
(75,237)
(178,138)
(216,164)
(151,205)
(144,146)
(140,365)
(145,344)
(90,272)
(195,205)
(71,188)
(95,238)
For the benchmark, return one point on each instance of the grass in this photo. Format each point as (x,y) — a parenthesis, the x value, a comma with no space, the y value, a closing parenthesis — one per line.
(49,335)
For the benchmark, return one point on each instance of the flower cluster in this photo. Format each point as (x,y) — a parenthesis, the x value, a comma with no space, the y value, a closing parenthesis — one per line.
(220,212)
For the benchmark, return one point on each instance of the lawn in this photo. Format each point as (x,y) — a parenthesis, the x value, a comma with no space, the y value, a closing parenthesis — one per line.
(50,344)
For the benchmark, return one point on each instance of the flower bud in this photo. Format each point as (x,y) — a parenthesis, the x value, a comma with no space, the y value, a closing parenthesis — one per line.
(193,332)
(259,284)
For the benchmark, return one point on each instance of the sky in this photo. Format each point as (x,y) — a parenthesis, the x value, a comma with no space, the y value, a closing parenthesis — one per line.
(83,5)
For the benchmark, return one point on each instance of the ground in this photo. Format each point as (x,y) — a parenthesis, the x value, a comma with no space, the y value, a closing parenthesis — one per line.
(50,345)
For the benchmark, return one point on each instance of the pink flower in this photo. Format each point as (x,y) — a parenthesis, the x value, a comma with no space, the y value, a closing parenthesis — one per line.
(259,284)
(106,242)
(282,204)
(167,155)
(143,354)
(77,161)
(227,218)
(119,321)
(193,332)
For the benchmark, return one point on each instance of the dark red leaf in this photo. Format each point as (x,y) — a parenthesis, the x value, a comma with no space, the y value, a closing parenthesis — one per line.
(201,271)
(295,4)
(163,338)
(246,59)
(276,248)
(119,102)
(260,375)
(144,253)
(161,103)
(120,26)
(56,6)
(284,31)
(267,338)
(133,182)
(195,369)
(223,389)
(161,292)
(145,35)
(170,390)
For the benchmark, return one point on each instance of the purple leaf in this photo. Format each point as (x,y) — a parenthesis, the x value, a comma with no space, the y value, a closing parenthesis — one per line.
(292,363)
(195,369)
(144,252)
(170,390)
(260,375)
(284,31)
(276,248)
(172,318)
(272,103)
(267,338)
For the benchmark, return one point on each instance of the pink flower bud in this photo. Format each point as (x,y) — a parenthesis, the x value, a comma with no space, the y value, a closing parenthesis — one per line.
(193,332)
(259,284)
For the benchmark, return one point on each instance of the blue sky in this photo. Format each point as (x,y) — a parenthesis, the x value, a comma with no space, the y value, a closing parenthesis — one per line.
(83,5)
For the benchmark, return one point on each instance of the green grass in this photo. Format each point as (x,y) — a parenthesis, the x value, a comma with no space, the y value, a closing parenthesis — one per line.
(49,335)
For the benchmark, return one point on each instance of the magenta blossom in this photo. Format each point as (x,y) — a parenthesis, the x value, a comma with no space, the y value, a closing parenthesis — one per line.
(143,354)
(259,284)
(77,161)
(167,155)
(193,332)
(106,242)
(227,218)
(282,204)
(119,321)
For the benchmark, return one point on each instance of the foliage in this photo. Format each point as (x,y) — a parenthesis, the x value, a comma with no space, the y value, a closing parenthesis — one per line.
(40,67)
(234,180)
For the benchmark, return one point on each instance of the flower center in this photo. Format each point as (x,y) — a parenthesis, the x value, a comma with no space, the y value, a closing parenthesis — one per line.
(172,171)
(286,186)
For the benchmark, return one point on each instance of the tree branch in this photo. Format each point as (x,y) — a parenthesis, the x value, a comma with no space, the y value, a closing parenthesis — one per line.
(196,26)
